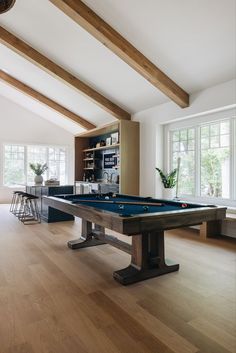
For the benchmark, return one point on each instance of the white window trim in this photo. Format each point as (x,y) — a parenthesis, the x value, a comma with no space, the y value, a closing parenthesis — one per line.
(67,148)
(196,123)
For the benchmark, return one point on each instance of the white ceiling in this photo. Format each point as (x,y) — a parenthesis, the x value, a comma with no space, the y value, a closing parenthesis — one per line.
(38,108)
(191,41)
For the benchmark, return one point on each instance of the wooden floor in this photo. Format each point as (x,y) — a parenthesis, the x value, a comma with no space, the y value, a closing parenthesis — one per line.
(56,300)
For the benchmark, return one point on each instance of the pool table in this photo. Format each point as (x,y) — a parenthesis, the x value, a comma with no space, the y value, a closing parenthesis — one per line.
(143,218)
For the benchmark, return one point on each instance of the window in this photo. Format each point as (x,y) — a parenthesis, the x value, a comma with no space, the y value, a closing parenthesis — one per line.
(17,159)
(215,159)
(14,168)
(183,146)
(56,163)
(208,159)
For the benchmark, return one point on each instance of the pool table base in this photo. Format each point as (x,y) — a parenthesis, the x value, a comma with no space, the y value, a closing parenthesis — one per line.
(88,237)
(131,274)
(147,259)
(147,252)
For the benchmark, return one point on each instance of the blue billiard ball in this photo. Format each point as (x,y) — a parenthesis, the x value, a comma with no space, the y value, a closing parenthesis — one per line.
(121,207)
(145,208)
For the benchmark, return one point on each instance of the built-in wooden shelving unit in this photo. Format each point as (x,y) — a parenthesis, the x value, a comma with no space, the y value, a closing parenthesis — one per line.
(126,151)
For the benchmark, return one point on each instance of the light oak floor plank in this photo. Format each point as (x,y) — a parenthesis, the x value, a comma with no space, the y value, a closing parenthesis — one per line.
(53,299)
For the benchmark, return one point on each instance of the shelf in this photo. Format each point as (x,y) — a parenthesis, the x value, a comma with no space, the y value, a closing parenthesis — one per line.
(92,168)
(88,159)
(106,129)
(102,148)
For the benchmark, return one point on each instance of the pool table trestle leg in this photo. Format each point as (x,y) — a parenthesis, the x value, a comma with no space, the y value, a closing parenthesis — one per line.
(147,259)
(87,238)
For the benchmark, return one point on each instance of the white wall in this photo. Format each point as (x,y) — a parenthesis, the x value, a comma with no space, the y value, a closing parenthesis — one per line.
(152,121)
(18,125)
(151,156)
(209,100)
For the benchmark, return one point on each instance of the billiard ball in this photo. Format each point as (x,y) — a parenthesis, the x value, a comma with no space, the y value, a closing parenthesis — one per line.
(107,197)
(184,205)
(121,207)
(145,208)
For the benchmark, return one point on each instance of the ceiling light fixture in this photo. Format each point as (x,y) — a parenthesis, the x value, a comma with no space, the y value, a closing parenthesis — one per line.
(6,5)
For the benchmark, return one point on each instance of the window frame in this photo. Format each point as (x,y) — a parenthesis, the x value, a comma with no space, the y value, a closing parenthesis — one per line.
(26,145)
(197,123)
(171,150)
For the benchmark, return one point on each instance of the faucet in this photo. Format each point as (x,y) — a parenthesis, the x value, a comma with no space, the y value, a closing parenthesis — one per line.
(107,178)
(111,181)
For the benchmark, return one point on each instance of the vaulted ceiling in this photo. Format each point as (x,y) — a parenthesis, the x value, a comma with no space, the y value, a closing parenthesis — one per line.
(193,42)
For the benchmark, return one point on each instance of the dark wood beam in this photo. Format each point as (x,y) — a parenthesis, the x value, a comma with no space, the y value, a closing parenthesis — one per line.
(29,53)
(97,27)
(45,100)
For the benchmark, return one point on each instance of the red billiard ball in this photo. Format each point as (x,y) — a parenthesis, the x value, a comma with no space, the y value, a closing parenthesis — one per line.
(184,205)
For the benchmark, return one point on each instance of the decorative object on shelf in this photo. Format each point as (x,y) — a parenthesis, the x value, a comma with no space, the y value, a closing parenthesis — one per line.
(89,155)
(110,160)
(108,141)
(38,170)
(6,5)
(52,182)
(102,143)
(114,138)
(169,182)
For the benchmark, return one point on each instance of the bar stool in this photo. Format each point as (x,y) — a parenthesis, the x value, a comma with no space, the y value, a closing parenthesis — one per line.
(29,211)
(13,200)
(16,202)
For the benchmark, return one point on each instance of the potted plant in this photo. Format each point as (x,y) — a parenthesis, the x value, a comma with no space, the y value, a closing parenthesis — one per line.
(169,182)
(38,170)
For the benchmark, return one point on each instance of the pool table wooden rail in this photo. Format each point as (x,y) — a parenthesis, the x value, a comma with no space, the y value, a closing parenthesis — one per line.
(143,222)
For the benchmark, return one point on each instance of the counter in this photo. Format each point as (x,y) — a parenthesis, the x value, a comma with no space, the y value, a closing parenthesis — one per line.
(49,214)
(84,187)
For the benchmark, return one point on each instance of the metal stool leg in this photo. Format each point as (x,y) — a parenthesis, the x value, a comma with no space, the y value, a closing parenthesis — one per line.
(18,209)
(13,200)
(31,214)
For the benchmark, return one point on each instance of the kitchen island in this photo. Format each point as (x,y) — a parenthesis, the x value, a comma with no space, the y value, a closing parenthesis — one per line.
(50,214)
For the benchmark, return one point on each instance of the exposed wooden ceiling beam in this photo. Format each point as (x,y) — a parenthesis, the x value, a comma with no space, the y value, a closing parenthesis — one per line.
(97,27)
(46,101)
(29,53)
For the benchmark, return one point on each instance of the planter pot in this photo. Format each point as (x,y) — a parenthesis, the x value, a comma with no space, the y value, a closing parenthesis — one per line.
(168,193)
(38,179)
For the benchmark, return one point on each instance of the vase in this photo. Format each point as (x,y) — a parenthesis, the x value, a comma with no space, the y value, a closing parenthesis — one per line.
(168,193)
(38,179)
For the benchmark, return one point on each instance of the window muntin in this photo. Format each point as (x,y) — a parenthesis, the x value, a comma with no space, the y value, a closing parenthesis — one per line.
(215,159)
(56,163)
(35,154)
(183,146)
